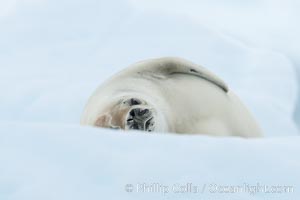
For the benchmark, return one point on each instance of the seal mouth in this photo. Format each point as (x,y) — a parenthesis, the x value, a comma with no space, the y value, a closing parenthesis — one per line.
(140,118)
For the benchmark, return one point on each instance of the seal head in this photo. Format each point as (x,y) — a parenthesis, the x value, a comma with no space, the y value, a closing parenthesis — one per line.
(129,114)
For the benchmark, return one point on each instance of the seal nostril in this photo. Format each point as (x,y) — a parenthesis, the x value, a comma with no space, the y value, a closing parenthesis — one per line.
(132,113)
(143,112)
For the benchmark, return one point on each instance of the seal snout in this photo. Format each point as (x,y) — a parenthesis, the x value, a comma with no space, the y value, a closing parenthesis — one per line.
(140,118)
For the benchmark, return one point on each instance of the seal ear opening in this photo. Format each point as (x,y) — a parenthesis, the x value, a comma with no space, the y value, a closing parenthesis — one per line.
(193,71)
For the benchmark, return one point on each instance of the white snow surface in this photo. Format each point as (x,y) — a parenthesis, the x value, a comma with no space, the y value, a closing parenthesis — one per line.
(50,161)
(53,55)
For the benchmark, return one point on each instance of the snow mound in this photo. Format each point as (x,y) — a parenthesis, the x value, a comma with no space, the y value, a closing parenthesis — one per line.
(54,161)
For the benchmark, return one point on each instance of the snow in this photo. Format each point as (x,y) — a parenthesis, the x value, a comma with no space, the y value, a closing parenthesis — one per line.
(53,54)
(46,161)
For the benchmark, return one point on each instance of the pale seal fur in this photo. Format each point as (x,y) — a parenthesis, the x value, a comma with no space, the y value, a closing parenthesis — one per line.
(169,95)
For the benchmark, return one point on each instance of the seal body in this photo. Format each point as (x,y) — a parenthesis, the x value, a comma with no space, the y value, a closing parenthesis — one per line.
(169,95)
